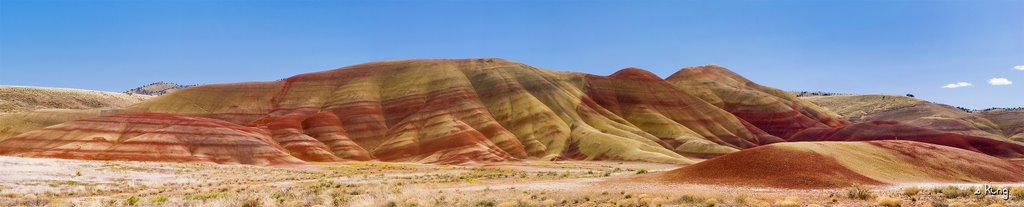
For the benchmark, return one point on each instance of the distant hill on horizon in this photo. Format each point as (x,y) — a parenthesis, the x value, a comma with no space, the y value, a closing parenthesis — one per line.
(1001,123)
(157,88)
(811,94)
(814,93)
(14,99)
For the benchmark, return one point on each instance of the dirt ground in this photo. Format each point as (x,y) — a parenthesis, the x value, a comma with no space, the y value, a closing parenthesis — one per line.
(56,182)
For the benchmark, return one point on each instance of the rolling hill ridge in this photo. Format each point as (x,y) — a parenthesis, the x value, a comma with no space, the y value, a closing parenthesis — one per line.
(456,111)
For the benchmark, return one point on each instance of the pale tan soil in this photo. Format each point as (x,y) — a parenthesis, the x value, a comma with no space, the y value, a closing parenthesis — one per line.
(17,123)
(56,182)
(26,108)
(855,106)
(14,99)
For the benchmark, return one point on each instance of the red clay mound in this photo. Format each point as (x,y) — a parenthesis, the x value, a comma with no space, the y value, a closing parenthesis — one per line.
(892,130)
(981,168)
(841,164)
(768,166)
(150,137)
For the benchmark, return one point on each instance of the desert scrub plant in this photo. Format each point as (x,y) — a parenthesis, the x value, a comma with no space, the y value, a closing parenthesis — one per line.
(710,202)
(209,195)
(1017,193)
(280,196)
(858,192)
(740,199)
(911,191)
(485,203)
(251,202)
(641,171)
(952,192)
(962,204)
(131,201)
(885,201)
(508,204)
(158,200)
(689,199)
(791,201)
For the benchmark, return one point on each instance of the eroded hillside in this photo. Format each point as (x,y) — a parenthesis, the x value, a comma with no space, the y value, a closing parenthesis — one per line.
(493,110)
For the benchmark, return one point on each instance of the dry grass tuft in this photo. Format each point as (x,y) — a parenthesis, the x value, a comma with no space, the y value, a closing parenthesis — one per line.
(859,193)
(886,201)
(791,201)
(911,191)
(1017,193)
(952,192)
(711,202)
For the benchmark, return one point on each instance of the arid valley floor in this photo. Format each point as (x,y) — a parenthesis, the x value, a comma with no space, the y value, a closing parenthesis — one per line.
(57,182)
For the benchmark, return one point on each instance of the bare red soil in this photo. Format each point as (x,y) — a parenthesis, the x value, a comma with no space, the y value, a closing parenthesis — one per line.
(768,166)
(967,163)
(799,166)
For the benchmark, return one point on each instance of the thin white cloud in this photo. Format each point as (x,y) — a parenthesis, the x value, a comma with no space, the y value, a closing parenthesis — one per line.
(957,85)
(1019,67)
(999,82)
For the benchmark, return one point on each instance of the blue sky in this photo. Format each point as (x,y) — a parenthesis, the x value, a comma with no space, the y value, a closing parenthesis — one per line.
(887,47)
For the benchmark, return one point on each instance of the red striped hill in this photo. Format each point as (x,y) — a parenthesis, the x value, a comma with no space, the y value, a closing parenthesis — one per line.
(150,137)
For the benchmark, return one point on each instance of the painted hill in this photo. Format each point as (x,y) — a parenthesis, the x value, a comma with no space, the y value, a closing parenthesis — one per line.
(814,93)
(490,110)
(777,112)
(843,164)
(856,107)
(1011,123)
(15,99)
(17,123)
(894,130)
(24,108)
(474,110)
(926,116)
(496,110)
(150,137)
(156,89)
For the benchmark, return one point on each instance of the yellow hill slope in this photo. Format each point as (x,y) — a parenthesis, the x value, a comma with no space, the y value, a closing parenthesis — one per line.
(15,99)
